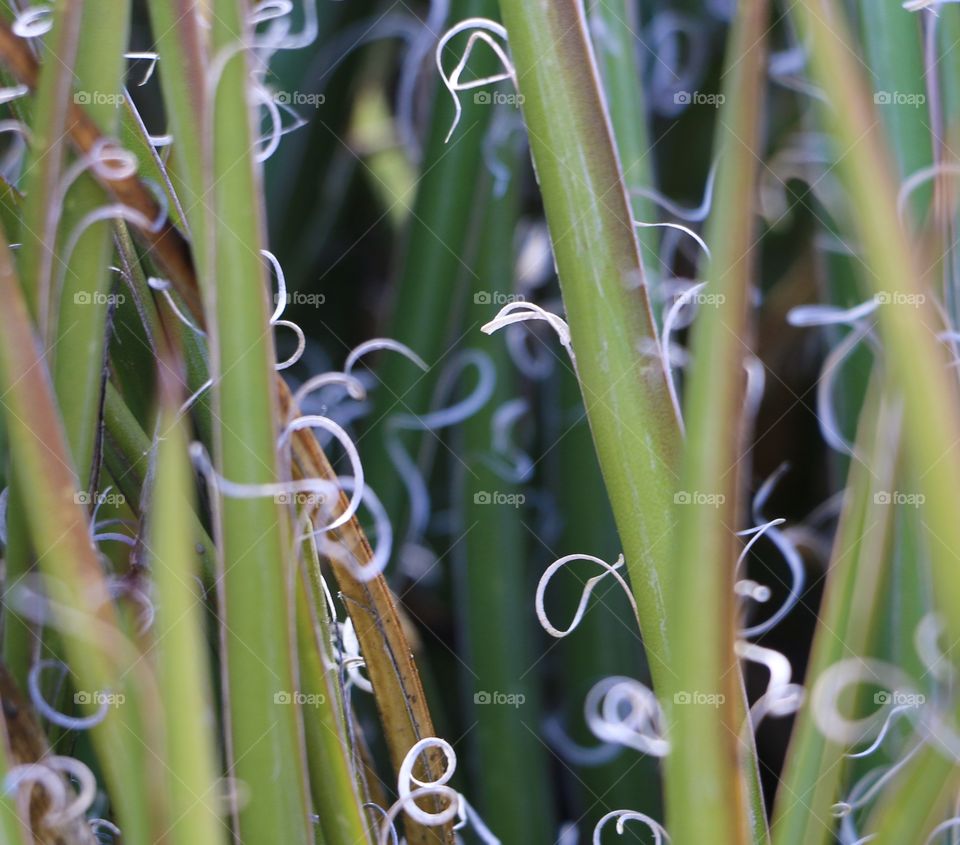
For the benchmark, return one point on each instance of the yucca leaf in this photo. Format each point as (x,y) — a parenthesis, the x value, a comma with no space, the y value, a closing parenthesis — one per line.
(256,542)
(607,640)
(127,451)
(398,691)
(631,415)
(82,302)
(706,796)
(334,783)
(60,532)
(850,616)
(915,360)
(435,252)
(191,752)
(499,649)
(11,824)
(893,46)
(615,27)
(47,160)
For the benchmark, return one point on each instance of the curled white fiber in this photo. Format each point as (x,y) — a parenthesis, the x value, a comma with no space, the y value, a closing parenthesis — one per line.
(50,713)
(781,697)
(660,835)
(517,312)
(588,587)
(382,530)
(622,710)
(482,30)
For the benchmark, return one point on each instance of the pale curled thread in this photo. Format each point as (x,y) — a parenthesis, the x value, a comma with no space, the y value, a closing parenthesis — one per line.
(623,711)
(660,835)
(482,28)
(65,806)
(410,788)
(588,587)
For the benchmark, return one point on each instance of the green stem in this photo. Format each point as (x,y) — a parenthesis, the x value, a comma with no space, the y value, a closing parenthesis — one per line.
(615,27)
(19,634)
(182,668)
(45,164)
(97,650)
(81,306)
(708,799)
(333,782)
(13,828)
(128,457)
(435,263)
(632,417)
(512,786)
(922,796)
(607,641)
(266,752)
(894,50)
(915,361)
(849,614)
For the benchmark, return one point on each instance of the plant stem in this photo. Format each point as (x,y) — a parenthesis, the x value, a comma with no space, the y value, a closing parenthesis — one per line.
(893,42)
(182,667)
(54,84)
(333,781)
(916,362)
(265,746)
(850,611)
(607,641)
(435,258)
(132,447)
(493,573)
(615,28)
(707,797)
(74,583)
(81,306)
(632,417)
